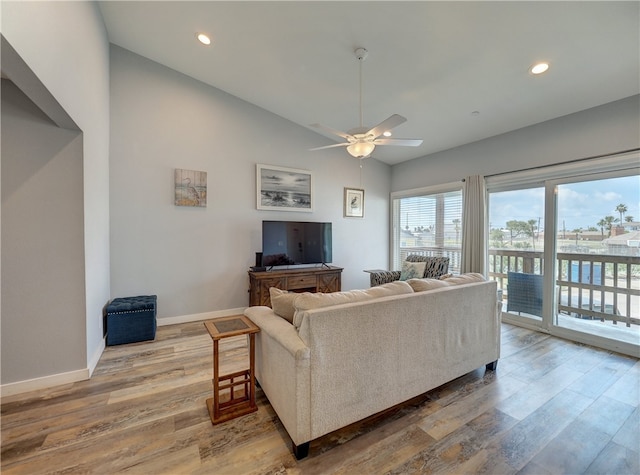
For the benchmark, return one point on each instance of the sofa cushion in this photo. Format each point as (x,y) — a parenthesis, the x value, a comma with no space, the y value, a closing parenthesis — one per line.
(392,288)
(412,270)
(282,303)
(420,285)
(465,278)
(308,301)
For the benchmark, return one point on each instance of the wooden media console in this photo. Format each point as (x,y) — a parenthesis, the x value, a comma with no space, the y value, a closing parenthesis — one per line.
(305,279)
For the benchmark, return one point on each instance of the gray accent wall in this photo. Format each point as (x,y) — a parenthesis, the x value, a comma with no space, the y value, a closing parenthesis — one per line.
(43,298)
(602,130)
(196,259)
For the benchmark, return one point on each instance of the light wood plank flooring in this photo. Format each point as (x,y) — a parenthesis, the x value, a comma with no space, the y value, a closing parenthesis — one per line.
(551,407)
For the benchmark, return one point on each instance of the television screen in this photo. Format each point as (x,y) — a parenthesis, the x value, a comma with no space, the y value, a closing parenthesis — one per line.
(294,242)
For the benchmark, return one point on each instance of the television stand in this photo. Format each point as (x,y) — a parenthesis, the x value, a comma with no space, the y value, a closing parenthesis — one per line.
(305,279)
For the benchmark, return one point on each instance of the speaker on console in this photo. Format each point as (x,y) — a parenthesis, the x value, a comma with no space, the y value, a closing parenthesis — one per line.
(258,267)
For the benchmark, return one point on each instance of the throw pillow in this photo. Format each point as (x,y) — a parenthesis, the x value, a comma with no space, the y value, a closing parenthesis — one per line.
(420,285)
(282,303)
(412,270)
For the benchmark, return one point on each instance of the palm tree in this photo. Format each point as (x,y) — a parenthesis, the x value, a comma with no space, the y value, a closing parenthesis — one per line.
(608,223)
(628,219)
(532,224)
(602,224)
(622,209)
(456,222)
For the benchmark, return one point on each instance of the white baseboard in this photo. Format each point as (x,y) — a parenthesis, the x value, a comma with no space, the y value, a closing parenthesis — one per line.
(44,382)
(95,359)
(197,317)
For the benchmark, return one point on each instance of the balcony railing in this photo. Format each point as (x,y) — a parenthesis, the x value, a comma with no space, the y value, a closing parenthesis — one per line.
(589,286)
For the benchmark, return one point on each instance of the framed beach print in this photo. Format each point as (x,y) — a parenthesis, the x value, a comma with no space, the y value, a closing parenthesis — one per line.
(283,189)
(353,203)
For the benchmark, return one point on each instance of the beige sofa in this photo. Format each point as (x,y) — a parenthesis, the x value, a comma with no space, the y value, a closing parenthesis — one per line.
(329,360)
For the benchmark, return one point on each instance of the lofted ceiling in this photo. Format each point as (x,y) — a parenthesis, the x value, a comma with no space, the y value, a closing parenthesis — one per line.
(458,71)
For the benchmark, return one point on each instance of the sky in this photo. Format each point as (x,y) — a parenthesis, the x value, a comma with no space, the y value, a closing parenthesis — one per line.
(580,205)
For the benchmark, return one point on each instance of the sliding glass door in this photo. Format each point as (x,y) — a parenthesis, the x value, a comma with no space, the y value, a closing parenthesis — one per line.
(564,247)
(598,260)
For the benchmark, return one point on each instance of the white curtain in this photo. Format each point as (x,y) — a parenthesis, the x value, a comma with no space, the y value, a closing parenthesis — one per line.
(473,226)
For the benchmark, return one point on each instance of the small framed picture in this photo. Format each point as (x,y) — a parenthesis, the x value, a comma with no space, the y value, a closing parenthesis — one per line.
(353,203)
(190,188)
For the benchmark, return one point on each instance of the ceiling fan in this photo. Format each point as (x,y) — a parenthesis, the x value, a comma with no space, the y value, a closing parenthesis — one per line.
(361,141)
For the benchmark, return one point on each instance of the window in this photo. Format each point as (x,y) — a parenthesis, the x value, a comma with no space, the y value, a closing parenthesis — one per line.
(427,222)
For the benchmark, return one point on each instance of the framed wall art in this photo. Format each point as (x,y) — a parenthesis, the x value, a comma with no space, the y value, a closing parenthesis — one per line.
(283,189)
(353,203)
(190,188)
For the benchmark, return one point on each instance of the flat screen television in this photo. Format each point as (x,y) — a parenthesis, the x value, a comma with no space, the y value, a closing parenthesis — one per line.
(286,243)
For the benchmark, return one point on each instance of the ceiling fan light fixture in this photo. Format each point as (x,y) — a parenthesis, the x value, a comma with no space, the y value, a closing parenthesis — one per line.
(361,149)
(204,39)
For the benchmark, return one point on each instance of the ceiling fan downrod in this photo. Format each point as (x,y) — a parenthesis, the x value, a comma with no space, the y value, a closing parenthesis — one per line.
(361,54)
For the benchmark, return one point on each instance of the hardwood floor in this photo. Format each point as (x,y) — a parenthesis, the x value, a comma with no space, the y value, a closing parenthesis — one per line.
(551,407)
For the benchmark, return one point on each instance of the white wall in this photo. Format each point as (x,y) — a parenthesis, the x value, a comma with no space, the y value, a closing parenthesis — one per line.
(196,259)
(65,45)
(606,129)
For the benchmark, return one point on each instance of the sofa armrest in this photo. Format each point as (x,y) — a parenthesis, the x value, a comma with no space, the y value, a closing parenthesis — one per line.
(283,363)
(383,277)
(279,330)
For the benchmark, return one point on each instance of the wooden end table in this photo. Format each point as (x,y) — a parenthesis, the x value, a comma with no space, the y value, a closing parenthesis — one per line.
(234,394)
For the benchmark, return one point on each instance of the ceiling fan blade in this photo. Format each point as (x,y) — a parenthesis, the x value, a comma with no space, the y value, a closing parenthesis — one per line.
(403,142)
(344,135)
(387,124)
(330,146)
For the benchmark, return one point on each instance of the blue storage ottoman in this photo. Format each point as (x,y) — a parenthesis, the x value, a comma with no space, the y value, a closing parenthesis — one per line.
(131,319)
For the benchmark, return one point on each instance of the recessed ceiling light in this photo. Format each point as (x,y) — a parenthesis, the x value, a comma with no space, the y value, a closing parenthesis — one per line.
(387,133)
(204,39)
(539,68)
